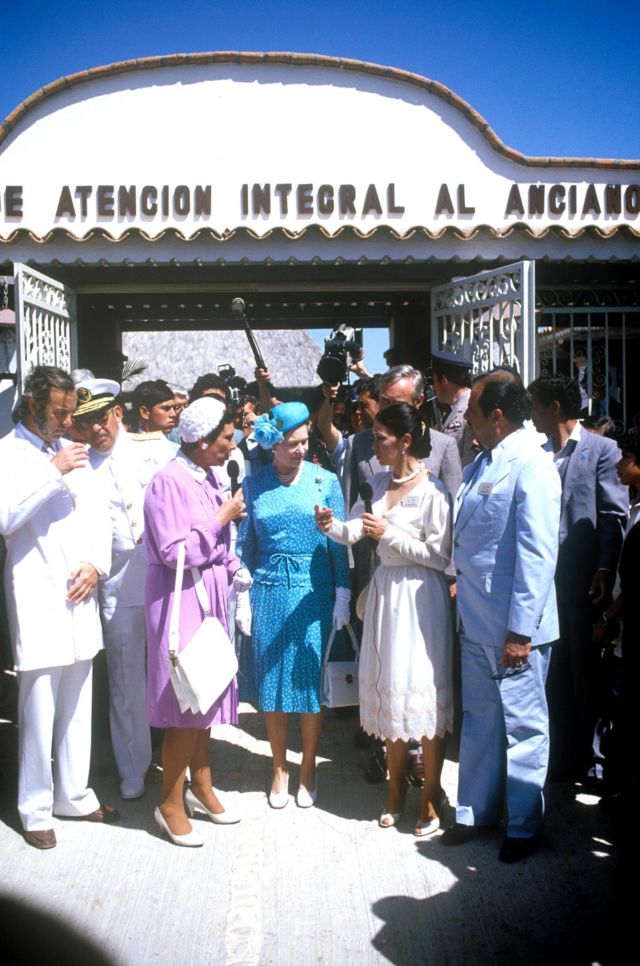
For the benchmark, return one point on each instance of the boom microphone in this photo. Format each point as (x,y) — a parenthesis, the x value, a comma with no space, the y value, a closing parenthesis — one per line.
(234,471)
(238,312)
(366,492)
(237,309)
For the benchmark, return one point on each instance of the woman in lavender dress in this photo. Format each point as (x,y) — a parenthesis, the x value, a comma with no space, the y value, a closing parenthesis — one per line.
(184,504)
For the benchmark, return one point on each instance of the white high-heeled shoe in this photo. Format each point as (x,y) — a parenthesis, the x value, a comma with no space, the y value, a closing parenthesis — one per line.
(389,819)
(426,828)
(281,798)
(194,804)
(191,839)
(306,797)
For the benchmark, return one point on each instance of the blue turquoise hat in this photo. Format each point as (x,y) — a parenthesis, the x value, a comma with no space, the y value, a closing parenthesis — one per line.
(272,427)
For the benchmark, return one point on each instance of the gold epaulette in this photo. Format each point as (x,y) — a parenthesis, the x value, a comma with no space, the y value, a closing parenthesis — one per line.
(145,437)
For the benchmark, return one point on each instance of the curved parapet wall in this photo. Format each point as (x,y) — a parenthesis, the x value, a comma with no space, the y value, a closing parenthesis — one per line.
(222,144)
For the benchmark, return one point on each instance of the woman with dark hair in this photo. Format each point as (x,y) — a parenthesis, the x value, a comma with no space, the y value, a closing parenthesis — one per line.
(184,504)
(407,640)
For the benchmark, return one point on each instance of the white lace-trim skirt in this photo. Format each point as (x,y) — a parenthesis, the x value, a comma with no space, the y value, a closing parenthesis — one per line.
(405,665)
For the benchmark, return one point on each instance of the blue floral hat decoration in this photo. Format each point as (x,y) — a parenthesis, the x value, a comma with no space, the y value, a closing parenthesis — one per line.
(271,428)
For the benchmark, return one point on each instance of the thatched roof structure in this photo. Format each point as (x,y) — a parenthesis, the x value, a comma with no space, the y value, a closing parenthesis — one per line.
(180,357)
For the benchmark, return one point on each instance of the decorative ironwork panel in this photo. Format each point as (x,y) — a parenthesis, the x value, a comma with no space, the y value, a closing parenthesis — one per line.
(45,322)
(488,318)
(597,347)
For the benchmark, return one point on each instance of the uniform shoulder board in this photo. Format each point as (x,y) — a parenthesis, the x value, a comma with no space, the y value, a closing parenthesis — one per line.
(147,437)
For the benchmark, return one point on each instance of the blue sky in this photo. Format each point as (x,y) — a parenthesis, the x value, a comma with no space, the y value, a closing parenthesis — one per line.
(557,78)
(551,78)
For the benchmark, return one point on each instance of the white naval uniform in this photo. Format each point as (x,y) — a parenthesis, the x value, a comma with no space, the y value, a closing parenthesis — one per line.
(124,473)
(51,523)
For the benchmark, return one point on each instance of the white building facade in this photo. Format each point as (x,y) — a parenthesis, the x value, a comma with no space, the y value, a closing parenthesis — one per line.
(148,194)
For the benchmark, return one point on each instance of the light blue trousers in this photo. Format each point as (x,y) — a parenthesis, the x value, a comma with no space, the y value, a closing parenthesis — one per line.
(504,746)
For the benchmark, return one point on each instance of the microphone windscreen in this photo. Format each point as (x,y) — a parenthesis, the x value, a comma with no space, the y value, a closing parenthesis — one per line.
(237,307)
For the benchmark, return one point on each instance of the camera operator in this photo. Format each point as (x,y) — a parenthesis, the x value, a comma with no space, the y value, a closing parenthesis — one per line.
(339,446)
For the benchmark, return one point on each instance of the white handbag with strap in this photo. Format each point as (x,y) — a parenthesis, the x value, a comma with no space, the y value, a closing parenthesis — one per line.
(205,667)
(339,687)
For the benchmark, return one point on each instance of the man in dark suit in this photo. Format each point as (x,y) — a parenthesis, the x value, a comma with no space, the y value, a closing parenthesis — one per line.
(593,516)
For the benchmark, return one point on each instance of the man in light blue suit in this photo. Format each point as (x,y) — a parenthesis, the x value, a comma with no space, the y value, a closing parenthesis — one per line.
(505,550)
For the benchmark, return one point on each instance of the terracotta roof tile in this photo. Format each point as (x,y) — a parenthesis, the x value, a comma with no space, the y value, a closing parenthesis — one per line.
(464,234)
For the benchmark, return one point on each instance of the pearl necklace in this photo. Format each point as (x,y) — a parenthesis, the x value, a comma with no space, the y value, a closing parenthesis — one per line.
(287,477)
(405,479)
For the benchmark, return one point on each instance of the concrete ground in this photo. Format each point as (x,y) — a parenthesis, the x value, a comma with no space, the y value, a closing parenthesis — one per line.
(321,886)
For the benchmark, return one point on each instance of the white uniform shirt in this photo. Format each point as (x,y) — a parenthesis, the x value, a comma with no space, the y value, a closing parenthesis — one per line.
(124,474)
(51,523)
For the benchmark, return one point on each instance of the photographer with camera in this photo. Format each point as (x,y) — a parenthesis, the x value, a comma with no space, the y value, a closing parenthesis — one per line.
(365,408)
(343,354)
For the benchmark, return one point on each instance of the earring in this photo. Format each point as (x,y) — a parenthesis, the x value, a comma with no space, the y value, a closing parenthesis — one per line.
(203,445)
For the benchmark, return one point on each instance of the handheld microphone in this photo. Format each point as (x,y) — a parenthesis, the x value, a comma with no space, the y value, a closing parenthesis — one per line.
(366,492)
(234,472)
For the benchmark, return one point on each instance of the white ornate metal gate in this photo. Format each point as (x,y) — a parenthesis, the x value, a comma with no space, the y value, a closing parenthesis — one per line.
(488,318)
(45,323)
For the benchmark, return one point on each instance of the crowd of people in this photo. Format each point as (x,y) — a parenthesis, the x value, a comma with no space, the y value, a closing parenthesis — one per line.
(489,578)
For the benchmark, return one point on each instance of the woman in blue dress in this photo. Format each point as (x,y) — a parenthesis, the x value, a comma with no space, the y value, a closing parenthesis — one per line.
(300,589)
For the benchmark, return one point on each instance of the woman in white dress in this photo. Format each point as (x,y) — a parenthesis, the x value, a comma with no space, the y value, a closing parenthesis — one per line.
(407,641)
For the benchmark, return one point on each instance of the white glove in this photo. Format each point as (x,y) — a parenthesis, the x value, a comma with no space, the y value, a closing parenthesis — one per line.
(243,613)
(341,610)
(242,579)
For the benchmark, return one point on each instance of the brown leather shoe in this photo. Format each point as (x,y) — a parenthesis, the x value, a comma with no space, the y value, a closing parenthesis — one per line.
(41,839)
(106,814)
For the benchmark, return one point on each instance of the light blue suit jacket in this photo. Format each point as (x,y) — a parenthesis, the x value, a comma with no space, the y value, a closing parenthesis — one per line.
(507,514)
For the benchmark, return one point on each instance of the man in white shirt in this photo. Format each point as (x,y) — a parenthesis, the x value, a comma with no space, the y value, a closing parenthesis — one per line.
(56,533)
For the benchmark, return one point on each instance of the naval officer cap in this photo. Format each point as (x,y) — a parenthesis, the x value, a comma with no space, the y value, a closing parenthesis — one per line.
(450,359)
(94,395)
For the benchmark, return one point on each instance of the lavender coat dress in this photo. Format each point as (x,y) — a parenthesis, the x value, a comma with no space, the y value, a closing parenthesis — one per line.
(180,504)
